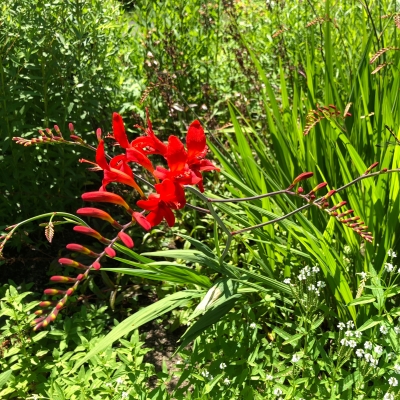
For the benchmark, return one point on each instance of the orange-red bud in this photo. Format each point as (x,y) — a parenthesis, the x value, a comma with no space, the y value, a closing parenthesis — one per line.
(54,292)
(70,291)
(126,239)
(81,249)
(300,190)
(318,187)
(341,204)
(91,232)
(47,304)
(141,220)
(384,170)
(76,138)
(329,194)
(110,252)
(105,197)
(97,213)
(345,213)
(62,279)
(96,265)
(38,312)
(302,177)
(371,168)
(98,134)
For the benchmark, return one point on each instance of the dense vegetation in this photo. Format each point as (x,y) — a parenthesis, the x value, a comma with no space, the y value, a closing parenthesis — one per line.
(290,295)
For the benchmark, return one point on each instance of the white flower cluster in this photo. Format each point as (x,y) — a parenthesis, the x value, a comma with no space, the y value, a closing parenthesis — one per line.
(389,267)
(305,273)
(388,396)
(392,254)
(206,374)
(349,324)
(372,359)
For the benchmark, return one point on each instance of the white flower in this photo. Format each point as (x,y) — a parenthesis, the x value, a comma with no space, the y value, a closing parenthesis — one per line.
(357,334)
(393,381)
(315,269)
(343,342)
(222,365)
(388,396)
(253,325)
(389,267)
(383,329)
(277,392)
(368,345)
(269,377)
(311,288)
(124,395)
(346,249)
(321,284)
(301,277)
(363,275)
(204,107)
(390,356)
(286,281)
(317,292)
(352,343)
(350,325)
(227,381)
(397,330)
(150,54)
(349,333)
(368,357)
(397,368)
(359,353)
(391,253)
(206,374)
(295,358)
(378,349)
(119,381)
(373,362)
(341,326)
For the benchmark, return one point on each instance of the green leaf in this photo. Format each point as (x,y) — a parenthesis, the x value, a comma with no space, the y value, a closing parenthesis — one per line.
(4,377)
(370,323)
(368,298)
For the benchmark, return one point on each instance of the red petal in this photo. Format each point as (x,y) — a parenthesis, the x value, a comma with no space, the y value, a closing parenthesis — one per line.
(176,155)
(169,216)
(119,131)
(126,239)
(101,156)
(155,217)
(195,140)
(151,204)
(138,157)
(110,252)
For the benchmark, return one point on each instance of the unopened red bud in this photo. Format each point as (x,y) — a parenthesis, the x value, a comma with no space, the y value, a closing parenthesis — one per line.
(371,168)
(345,213)
(70,291)
(98,134)
(126,239)
(318,187)
(76,138)
(38,312)
(95,213)
(312,197)
(329,194)
(52,316)
(341,204)
(57,129)
(54,292)
(325,204)
(141,220)
(61,303)
(384,170)
(300,190)
(80,277)
(334,214)
(71,127)
(78,248)
(47,304)
(91,232)
(41,133)
(303,176)
(96,265)
(48,131)
(68,261)
(62,279)
(110,252)
(105,197)
(37,320)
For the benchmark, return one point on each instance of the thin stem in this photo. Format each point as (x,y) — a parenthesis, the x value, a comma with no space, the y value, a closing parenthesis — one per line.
(260,196)
(273,220)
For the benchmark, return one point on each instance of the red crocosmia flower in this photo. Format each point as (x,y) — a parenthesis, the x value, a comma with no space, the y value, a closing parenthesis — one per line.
(150,144)
(119,131)
(141,220)
(169,195)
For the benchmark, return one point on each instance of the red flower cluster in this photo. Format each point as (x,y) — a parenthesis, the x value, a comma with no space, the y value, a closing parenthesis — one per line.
(185,167)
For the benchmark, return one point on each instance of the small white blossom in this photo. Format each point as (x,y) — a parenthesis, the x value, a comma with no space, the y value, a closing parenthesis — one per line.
(390,355)
(368,345)
(315,269)
(350,325)
(206,374)
(343,342)
(368,357)
(373,362)
(269,377)
(124,395)
(393,381)
(349,333)
(397,330)
(346,249)
(352,343)
(388,396)
(222,366)
(357,334)
(378,349)
(277,392)
(321,284)
(227,381)
(253,325)
(341,326)
(363,275)
(383,329)
(359,353)
(389,267)
(119,381)
(286,281)
(295,358)
(301,277)
(317,292)
(311,288)
(150,54)
(392,254)
(397,368)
